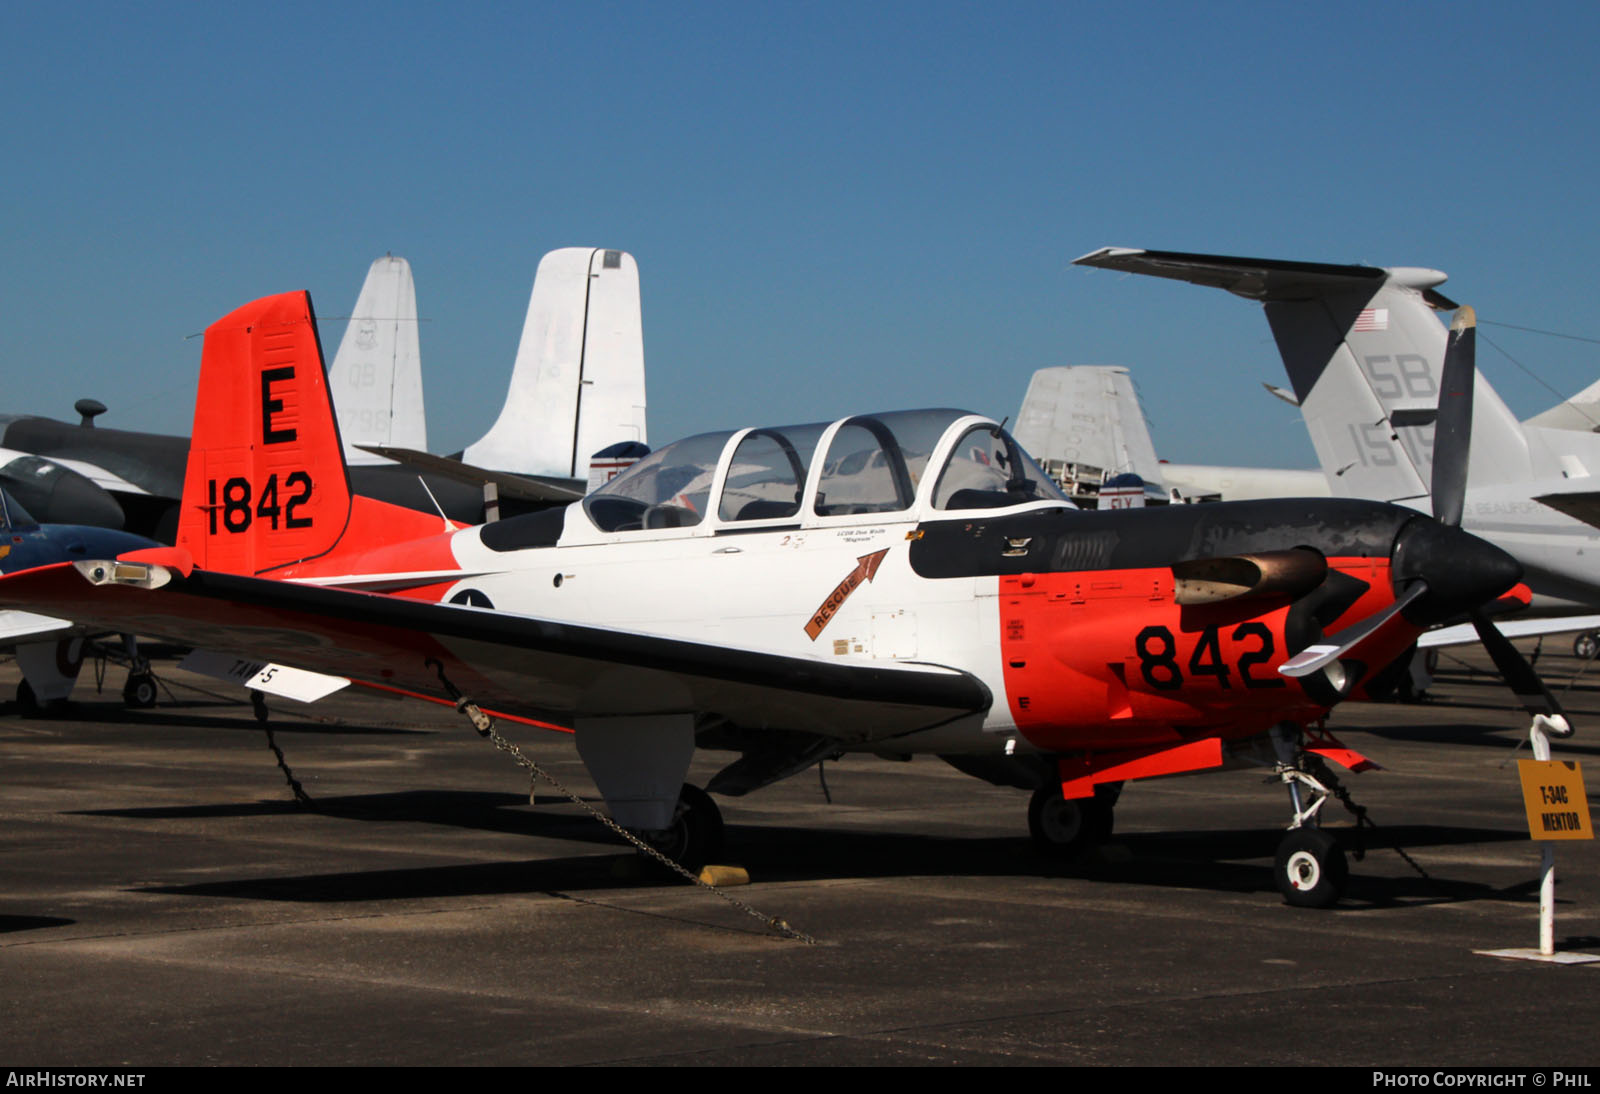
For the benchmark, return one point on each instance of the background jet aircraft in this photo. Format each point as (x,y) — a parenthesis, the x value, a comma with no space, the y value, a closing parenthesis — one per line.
(890,583)
(1364,350)
(49,649)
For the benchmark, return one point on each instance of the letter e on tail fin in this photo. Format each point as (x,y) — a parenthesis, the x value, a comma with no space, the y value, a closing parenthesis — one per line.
(266,483)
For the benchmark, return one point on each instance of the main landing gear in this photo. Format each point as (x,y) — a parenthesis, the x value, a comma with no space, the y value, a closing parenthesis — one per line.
(140,691)
(1068,828)
(1310,867)
(694,838)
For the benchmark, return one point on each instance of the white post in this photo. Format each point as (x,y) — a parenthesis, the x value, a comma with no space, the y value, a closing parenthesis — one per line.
(1547,856)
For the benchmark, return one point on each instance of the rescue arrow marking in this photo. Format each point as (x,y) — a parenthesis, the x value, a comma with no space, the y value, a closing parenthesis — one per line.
(866,566)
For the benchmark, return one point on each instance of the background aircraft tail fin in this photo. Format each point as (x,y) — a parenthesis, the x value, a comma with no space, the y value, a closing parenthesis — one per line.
(1084,422)
(1364,352)
(266,482)
(376,378)
(1581,412)
(578,383)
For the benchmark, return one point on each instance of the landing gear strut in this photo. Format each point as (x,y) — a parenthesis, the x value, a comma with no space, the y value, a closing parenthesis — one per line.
(1066,828)
(1310,867)
(695,836)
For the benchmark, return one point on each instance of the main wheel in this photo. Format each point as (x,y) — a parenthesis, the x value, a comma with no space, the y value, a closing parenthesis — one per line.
(140,691)
(1586,646)
(1065,828)
(1310,868)
(695,835)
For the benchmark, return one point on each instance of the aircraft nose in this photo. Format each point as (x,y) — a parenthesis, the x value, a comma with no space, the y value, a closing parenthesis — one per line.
(56,495)
(1460,570)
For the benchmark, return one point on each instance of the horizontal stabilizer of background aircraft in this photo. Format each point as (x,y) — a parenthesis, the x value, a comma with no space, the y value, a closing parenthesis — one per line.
(376,376)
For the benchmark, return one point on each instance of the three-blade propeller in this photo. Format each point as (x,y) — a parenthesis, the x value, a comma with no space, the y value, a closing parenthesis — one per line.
(1439,563)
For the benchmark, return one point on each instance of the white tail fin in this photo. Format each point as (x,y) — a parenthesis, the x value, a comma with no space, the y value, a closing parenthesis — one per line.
(1364,352)
(376,378)
(578,383)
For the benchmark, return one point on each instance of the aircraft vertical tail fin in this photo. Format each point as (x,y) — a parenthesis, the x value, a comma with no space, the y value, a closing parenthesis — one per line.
(266,483)
(1364,352)
(1079,420)
(376,377)
(578,383)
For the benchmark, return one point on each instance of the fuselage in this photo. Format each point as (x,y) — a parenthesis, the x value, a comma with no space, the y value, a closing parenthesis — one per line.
(930,539)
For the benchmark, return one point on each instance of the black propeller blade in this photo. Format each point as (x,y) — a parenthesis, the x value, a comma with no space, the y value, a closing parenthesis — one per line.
(1521,677)
(1452,444)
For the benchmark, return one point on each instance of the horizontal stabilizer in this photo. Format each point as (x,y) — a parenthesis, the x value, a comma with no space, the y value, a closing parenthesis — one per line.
(519,487)
(1252,278)
(26,626)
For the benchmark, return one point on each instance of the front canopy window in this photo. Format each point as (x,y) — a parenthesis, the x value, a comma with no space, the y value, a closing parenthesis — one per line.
(669,488)
(989,470)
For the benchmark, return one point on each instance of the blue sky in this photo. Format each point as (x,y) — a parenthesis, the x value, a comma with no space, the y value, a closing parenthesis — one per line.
(834,207)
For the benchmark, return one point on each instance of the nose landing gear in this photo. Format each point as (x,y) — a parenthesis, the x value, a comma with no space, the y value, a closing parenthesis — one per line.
(1310,868)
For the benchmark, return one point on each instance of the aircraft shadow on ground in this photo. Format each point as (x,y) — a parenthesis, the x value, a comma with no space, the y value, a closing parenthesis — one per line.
(10,923)
(1237,861)
(173,715)
(1510,738)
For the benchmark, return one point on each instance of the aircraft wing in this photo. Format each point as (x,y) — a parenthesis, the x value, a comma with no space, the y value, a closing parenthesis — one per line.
(1584,505)
(521,667)
(1465,634)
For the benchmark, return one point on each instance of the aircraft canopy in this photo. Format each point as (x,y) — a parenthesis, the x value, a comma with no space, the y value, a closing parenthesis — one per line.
(869,463)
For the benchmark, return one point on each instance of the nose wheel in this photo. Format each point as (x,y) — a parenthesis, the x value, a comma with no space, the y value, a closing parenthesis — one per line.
(1310,868)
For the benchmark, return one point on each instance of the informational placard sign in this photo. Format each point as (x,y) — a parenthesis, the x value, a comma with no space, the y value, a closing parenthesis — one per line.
(1552,793)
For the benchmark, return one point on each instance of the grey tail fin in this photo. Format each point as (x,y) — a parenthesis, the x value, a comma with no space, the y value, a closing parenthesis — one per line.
(1084,424)
(376,377)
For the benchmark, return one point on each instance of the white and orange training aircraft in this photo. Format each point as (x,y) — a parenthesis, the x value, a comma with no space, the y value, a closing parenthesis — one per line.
(891,583)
